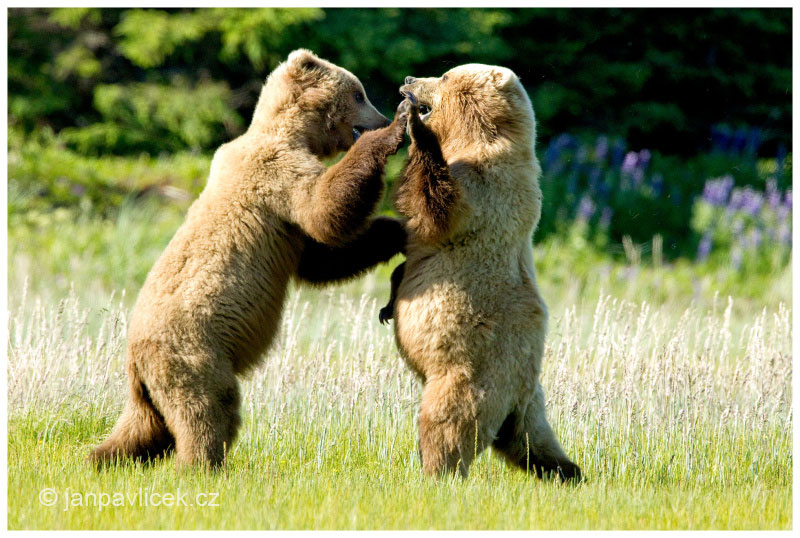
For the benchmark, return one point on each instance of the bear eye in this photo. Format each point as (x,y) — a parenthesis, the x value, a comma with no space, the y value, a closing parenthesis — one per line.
(359,96)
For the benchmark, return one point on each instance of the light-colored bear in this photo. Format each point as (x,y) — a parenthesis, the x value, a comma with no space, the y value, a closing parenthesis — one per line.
(270,212)
(470,321)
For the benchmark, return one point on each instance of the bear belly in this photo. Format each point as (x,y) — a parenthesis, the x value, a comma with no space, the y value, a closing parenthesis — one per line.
(454,314)
(439,326)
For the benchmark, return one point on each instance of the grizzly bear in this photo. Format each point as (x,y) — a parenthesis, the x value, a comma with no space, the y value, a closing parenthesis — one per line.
(270,212)
(469,318)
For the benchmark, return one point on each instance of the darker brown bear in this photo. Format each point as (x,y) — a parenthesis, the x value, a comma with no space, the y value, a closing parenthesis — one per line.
(270,212)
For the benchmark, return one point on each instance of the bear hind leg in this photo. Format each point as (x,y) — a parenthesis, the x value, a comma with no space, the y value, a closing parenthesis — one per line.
(526,440)
(455,425)
(140,433)
(204,418)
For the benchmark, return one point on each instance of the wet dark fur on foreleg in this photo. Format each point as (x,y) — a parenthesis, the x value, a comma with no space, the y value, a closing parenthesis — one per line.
(322,264)
(387,312)
(427,193)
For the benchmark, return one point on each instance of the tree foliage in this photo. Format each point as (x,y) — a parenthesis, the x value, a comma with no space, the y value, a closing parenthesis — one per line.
(131,80)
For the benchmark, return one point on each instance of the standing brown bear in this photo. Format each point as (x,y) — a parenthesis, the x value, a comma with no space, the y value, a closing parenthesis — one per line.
(270,211)
(470,321)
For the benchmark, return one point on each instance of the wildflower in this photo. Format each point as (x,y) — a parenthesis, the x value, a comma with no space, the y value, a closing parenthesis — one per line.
(772,194)
(601,148)
(735,202)
(586,208)
(785,233)
(751,201)
(605,217)
(716,191)
(704,248)
(638,177)
(644,158)
(629,164)
(754,238)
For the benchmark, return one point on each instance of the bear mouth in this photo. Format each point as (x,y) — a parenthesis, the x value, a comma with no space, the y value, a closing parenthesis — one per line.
(424,108)
(424,111)
(358,131)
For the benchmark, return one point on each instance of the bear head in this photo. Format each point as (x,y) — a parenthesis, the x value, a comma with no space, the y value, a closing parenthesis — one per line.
(476,106)
(318,101)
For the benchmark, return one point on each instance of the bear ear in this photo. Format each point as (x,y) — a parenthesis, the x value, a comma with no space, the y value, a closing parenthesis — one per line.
(304,60)
(502,76)
(305,69)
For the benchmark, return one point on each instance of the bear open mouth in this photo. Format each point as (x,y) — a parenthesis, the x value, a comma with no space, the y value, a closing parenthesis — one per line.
(424,111)
(357,132)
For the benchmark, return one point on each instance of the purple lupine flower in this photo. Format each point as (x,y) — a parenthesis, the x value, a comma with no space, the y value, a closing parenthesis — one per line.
(605,217)
(638,177)
(738,226)
(754,238)
(586,208)
(556,148)
(735,203)
(551,154)
(785,233)
(629,164)
(788,198)
(630,272)
(772,194)
(716,191)
(582,154)
(704,248)
(751,201)
(601,148)
(644,158)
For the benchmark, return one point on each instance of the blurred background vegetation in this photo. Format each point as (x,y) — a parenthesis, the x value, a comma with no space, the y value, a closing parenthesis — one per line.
(665,134)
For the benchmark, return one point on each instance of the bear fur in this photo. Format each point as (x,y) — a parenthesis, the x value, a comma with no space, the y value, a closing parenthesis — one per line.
(270,212)
(469,318)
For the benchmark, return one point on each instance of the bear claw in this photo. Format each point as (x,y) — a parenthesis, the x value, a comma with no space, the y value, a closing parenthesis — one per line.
(386,313)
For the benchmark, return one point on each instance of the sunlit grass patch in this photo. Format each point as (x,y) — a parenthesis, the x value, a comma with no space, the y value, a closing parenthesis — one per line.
(679,419)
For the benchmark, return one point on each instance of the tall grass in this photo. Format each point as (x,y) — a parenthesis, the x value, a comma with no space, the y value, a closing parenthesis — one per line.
(681,417)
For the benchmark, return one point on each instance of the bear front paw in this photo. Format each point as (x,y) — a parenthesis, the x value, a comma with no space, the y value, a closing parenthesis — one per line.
(385,314)
(397,129)
(410,106)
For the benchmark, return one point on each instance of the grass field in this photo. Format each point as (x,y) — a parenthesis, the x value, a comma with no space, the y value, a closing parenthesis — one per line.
(679,411)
